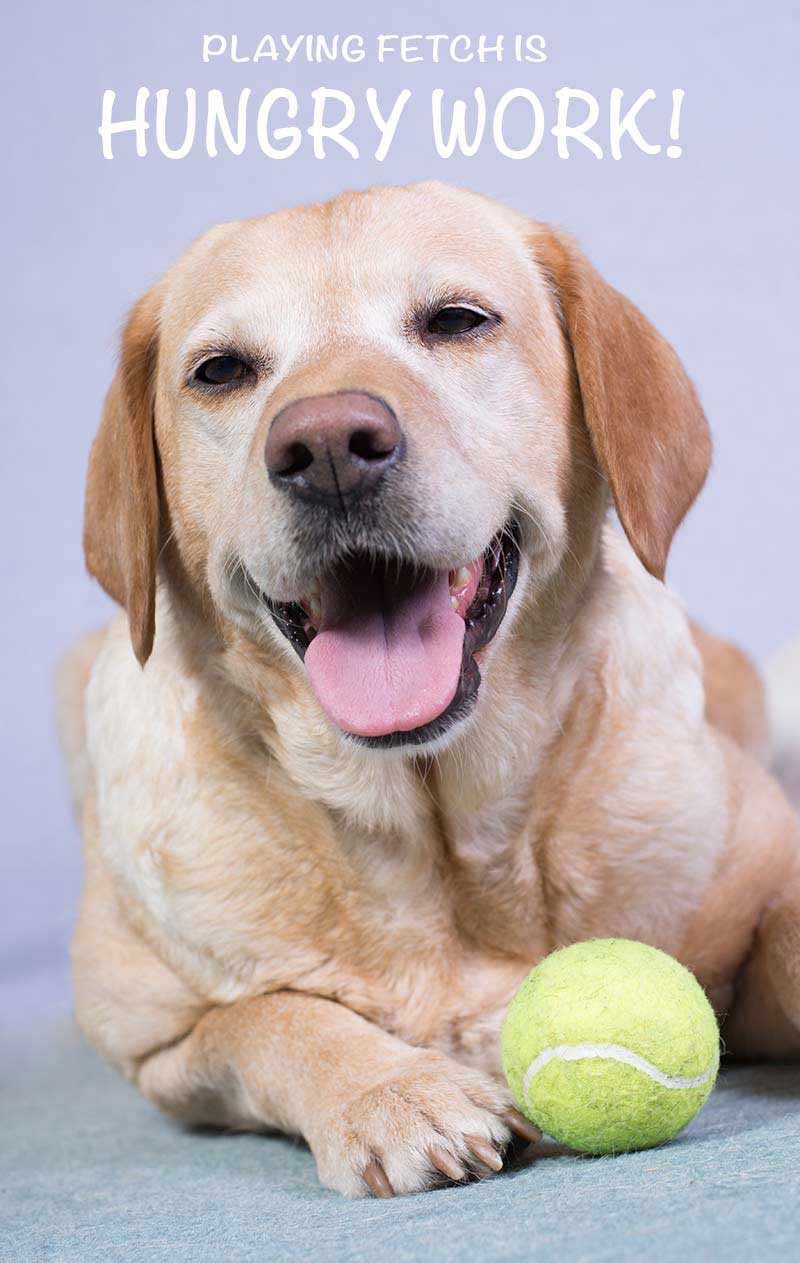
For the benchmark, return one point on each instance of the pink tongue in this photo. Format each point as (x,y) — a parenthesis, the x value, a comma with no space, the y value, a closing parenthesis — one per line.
(381,666)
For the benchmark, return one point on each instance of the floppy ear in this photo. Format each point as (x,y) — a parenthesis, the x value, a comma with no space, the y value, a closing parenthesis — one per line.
(647,428)
(121,517)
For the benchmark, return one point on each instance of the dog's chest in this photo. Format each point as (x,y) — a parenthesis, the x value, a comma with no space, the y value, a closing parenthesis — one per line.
(432,939)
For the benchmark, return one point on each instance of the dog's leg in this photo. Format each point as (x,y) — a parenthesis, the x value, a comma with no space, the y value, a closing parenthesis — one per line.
(379,1115)
(743,942)
(765,1021)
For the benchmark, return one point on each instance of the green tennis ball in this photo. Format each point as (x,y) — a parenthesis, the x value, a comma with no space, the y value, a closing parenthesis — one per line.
(610,1045)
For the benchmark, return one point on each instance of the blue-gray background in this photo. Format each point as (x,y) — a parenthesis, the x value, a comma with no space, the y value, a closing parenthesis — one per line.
(706,244)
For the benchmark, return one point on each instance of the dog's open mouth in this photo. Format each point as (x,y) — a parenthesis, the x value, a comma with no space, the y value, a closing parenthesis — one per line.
(390,649)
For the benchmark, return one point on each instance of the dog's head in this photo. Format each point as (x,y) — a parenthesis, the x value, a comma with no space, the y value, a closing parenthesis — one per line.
(372,431)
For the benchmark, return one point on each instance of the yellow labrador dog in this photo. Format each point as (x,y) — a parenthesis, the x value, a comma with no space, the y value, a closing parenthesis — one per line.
(391,711)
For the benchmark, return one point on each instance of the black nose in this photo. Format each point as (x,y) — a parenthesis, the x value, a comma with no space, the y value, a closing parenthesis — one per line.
(328,447)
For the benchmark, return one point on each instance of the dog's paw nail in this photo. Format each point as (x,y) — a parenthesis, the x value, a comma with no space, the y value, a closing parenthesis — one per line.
(377,1180)
(446,1162)
(485,1152)
(522,1127)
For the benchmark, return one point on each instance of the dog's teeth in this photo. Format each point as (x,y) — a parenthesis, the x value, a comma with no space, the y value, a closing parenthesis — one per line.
(313,604)
(454,601)
(460,579)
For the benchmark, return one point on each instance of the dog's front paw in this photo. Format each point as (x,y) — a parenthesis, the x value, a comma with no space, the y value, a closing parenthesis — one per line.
(431,1121)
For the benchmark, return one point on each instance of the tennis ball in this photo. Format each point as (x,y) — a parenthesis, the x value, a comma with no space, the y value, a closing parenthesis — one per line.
(610,1045)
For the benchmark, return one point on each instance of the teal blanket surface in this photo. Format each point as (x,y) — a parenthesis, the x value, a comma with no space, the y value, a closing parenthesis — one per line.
(89,1171)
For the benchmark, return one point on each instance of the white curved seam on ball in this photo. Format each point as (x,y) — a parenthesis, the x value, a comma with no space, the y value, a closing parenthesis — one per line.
(610,1052)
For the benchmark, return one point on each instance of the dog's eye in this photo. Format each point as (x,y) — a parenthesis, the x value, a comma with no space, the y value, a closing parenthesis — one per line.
(450,322)
(221,370)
